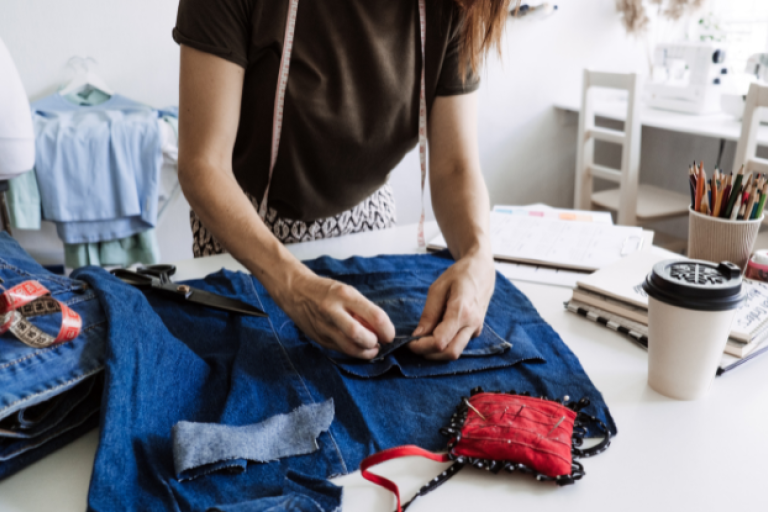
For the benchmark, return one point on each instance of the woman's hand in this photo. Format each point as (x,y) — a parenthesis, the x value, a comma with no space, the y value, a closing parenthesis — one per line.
(336,315)
(458,299)
(455,309)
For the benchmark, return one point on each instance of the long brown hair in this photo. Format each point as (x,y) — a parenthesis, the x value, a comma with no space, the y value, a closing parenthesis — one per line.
(482,27)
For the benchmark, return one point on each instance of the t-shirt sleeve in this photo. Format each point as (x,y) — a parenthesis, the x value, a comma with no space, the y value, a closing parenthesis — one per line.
(218,27)
(450,82)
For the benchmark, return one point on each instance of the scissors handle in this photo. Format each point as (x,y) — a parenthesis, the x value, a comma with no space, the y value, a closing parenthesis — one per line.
(133,278)
(161,272)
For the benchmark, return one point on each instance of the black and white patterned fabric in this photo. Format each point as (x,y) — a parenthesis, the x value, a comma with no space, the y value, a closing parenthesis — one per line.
(375,212)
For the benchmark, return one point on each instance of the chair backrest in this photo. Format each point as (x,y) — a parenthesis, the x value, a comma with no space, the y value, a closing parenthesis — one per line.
(746,149)
(627,177)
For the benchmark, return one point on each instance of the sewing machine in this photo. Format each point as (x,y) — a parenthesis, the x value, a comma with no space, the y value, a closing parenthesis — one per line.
(732,100)
(686,77)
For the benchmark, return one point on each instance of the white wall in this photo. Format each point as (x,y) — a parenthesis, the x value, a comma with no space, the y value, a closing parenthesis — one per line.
(527,148)
(131,41)
(527,155)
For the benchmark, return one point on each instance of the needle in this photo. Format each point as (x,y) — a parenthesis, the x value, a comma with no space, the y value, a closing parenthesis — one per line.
(478,412)
(556,425)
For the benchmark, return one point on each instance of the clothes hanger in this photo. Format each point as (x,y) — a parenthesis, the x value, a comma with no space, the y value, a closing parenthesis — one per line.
(84,77)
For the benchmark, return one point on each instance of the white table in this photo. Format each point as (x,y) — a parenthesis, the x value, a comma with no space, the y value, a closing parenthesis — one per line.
(669,455)
(611,105)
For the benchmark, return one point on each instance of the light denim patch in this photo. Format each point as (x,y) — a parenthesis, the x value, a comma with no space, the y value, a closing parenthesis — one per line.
(203,448)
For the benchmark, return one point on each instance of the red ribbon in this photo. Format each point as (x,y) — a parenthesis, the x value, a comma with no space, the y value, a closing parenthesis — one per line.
(394,453)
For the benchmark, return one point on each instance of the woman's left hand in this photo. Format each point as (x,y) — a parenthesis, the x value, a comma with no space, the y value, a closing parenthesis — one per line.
(455,309)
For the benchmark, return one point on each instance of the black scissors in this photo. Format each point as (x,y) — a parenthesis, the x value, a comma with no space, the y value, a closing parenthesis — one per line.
(158,278)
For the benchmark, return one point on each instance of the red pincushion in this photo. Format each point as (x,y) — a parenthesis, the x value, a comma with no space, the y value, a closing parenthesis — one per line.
(520,429)
(496,431)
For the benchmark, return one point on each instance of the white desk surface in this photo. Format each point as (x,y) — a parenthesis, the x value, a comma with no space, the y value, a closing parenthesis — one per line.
(669,455)
(718,125)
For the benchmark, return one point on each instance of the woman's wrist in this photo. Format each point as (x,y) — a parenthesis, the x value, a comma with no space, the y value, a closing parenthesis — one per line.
(479,249)
(278,271)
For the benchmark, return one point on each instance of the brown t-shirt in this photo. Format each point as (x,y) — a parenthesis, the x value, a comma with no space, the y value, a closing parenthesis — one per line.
(352,100)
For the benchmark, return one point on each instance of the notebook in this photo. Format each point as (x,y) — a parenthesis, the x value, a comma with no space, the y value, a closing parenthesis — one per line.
(735,353)
(568,244)
(541,210)
(618,289)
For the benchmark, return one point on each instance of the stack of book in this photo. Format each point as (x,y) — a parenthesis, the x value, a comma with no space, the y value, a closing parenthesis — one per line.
(614,297)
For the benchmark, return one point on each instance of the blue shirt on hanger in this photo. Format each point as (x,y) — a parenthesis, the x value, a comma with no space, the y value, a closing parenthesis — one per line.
(97,167)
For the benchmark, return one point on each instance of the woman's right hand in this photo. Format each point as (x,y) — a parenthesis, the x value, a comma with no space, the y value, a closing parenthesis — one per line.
(335,315)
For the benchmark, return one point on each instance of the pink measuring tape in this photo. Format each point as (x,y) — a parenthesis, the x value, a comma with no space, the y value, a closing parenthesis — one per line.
(30,299)
(282,83)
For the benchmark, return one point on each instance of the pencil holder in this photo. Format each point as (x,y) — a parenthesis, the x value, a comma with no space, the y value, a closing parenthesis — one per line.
(716,239)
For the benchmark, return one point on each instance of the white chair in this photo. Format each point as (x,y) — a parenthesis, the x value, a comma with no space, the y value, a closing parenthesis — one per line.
(635,203)
(746,149)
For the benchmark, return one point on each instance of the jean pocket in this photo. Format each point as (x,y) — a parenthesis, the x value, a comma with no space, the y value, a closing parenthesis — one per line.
(488,351)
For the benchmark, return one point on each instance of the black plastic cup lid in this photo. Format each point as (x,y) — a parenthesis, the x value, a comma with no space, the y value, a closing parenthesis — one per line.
(695,284)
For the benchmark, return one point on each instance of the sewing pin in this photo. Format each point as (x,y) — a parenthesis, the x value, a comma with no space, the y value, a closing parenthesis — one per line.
(556,425)
(473,408)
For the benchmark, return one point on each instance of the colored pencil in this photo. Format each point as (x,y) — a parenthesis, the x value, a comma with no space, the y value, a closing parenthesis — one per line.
(748,181)
(719,199)
(735,208)
(692,186)
(726,195)
(750,205)
(761,204)
(734,193)
(705,201)
(699,190)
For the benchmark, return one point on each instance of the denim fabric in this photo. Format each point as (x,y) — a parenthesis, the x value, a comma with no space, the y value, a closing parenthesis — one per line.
(196,446)
(299,494)
(168,363)
(52,392)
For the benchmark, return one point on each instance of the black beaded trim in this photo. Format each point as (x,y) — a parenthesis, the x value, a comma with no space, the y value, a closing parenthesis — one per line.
(436,482)
(453,432)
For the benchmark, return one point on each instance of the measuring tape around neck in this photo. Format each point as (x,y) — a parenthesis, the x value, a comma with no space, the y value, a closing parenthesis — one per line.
(282,84)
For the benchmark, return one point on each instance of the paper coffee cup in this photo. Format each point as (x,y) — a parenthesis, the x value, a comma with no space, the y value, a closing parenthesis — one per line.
(691,305)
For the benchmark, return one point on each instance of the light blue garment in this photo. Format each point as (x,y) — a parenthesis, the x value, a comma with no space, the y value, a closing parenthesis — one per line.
(97,167)
(24,201)
(140,248)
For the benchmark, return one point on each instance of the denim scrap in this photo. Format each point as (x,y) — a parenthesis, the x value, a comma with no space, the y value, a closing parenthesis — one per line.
(405,311)
(168,362)
(198,445)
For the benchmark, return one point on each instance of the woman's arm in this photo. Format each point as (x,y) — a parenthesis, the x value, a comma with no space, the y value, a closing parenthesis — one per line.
(458,299)
(329,312)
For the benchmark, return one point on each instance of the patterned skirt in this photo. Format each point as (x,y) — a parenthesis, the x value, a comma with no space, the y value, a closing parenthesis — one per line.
(375,212)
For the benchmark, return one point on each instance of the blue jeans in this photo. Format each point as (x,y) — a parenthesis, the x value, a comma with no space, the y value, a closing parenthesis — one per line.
(50,396)
(234,376)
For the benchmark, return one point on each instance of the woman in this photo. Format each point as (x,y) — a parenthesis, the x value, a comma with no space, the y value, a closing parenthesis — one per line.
(300,112)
